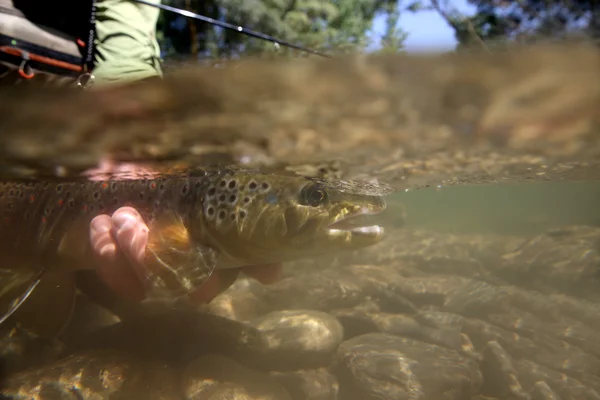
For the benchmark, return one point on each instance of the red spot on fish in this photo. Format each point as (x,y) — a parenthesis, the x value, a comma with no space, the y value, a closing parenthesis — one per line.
(60,202)
(31,198)
(85,207)
(44,220)
(153,185)
(104,185)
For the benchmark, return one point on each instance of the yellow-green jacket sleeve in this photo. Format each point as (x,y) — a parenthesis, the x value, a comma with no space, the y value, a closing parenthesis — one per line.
(126,45)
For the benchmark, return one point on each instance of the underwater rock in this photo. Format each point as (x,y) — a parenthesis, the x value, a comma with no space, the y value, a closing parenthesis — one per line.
(400,325)
(298,339)
(94,375)
(566,387)
(560,261)
(315,384)
(541,391)
(499,376)
(219,378)
(386,367)
(21,349)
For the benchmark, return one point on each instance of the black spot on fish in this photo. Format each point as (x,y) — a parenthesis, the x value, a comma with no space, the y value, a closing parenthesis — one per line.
(71,203)
(211,191)
(222,197)
(252,185)
(223,183)
(232,216)
(210,211)
(246,200)
(242,214)
(265,186)
(161,187)
(113,187)
(184,189)
(96,195)
(222,215)
(141,195)
(232,184)
(232,198)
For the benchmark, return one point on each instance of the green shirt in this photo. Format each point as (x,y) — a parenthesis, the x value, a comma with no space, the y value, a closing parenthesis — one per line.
(126,45)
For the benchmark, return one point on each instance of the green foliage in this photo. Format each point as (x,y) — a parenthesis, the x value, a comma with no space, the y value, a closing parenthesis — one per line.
(499,21)
(334,27)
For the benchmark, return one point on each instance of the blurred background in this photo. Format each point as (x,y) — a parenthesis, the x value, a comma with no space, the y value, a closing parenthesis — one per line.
(344,26)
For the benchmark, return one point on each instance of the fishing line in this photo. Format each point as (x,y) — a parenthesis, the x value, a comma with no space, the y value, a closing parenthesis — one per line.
(232,27)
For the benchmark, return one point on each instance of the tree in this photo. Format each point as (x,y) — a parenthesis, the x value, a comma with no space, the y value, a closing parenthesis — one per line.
(501,21)
(338,26)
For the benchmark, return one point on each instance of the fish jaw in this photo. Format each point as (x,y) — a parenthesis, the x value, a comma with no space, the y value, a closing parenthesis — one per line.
(356,229)
(294,219)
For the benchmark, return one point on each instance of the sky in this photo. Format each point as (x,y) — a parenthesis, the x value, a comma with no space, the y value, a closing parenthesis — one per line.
(427,31)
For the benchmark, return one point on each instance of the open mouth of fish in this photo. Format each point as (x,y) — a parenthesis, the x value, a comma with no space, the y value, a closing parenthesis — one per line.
(360,223)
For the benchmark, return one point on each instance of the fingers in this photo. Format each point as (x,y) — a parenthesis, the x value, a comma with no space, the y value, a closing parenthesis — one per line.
(101,238)
(113,267)
(119,244)
(131,233)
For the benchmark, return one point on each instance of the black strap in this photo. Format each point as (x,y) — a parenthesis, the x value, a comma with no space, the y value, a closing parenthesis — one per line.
(88,60)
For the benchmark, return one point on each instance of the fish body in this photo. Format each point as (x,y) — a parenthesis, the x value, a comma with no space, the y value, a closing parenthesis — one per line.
(199,220)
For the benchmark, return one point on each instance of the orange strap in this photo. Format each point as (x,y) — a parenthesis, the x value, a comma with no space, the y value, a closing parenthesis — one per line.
(46,60)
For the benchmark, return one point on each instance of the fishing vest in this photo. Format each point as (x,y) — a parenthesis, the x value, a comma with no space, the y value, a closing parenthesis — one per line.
(46,42)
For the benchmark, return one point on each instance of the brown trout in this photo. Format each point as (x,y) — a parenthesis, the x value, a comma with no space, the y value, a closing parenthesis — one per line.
(199,220)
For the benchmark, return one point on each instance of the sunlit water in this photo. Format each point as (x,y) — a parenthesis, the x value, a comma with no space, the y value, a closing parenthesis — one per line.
(503,209)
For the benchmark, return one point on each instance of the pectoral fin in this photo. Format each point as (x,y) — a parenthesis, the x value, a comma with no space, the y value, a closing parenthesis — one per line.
(49,307)
(15,288)
(176,266)
(41,304)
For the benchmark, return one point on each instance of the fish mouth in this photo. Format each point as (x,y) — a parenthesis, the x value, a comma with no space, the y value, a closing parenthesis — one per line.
(358,224)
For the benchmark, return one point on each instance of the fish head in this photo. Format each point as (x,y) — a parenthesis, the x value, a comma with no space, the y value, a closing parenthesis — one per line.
(268,218)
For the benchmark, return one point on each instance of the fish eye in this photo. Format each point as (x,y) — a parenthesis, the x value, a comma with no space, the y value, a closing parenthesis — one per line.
(313,195)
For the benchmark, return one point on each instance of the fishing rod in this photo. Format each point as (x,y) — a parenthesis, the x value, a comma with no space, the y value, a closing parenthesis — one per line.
(232,27)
